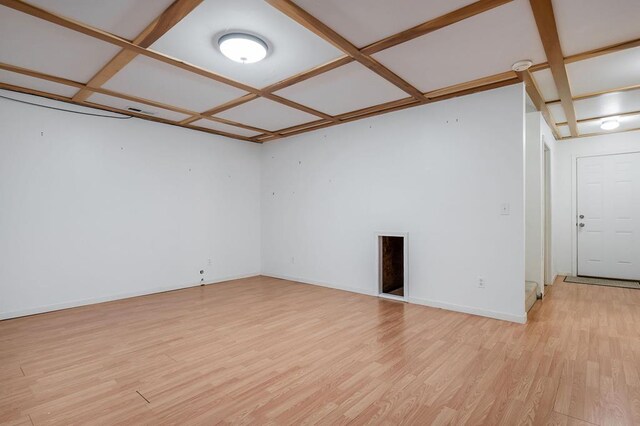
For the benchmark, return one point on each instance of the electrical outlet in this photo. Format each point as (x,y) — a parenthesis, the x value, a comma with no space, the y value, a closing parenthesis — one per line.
(209,262)
(481,282)
(293,259)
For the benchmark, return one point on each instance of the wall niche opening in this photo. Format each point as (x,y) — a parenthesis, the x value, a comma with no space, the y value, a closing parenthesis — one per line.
(392,265)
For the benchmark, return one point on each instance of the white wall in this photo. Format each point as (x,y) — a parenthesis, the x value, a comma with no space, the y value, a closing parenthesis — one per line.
(548,141)
(564,188)
(439,172)
(94,209)
(534,201)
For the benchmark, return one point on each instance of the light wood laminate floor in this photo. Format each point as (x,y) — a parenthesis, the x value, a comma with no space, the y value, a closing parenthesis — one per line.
(268,351)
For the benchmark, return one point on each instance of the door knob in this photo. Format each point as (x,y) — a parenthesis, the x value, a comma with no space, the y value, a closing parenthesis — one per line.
(581,225)
(581,216)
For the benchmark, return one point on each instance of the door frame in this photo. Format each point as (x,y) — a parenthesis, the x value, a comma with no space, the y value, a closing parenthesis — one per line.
(574,202)
(378,264)
(547,226)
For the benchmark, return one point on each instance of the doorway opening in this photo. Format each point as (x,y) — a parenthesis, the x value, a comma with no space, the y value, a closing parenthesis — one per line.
(392,266)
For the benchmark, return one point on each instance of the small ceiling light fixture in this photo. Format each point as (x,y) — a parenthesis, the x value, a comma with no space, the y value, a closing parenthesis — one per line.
(521,66)
(243,48)
(610,124)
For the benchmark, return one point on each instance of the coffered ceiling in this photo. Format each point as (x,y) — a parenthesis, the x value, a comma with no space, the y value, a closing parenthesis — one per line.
(329,62)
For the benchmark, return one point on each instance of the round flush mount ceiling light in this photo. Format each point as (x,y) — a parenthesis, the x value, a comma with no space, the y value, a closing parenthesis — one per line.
(521,66)
(243,48)
(610,124)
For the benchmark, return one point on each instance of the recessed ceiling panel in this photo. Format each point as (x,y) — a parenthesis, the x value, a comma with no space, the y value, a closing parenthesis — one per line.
(585,25)
(546,84)
(557,112)
(606,72)
(343,89)
(292,48)
(626,123)
(126,18)
(363,22)
(208,124)
(564,131)
(266,114)
(99,98)
(21,80)
(151,79)
(32,43)
(608,105)
(486,44)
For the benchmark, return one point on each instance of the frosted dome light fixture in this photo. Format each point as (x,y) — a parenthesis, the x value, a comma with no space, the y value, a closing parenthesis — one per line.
(610,124)
(243,48)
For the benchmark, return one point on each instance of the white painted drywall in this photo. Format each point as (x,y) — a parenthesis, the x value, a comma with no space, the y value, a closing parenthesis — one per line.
(548,141)
(534,207)
(564,188)
(94,209)
(438,172)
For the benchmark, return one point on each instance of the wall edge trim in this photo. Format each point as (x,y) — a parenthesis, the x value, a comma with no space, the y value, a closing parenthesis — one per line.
(102,299)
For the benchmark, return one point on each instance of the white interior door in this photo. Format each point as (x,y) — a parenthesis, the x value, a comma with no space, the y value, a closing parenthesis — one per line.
(609,216)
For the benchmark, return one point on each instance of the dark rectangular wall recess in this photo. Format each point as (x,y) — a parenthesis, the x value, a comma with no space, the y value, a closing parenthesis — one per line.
(392,268)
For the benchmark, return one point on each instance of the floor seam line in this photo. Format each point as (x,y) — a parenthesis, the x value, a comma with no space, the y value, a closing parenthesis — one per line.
(576,418)
(138,392)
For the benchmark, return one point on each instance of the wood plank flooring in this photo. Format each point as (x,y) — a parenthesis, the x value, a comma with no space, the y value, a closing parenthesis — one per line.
(268,351)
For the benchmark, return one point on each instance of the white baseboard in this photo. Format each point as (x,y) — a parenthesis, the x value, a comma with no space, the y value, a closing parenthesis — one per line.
(521,319)
(110,298)
(321,284)
(417,301)
(555,277)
